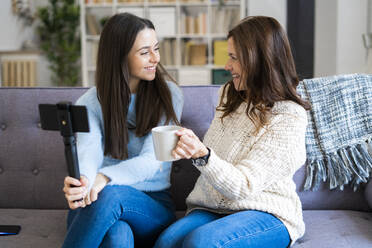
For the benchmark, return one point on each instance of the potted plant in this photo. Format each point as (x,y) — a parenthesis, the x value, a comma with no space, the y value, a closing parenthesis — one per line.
(60,40)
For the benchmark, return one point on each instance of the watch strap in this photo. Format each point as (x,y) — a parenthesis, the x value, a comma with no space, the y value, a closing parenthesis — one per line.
(201,161)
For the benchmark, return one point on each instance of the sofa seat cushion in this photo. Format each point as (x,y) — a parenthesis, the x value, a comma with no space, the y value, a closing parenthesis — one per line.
(324,228)
(336,228)
(39,228)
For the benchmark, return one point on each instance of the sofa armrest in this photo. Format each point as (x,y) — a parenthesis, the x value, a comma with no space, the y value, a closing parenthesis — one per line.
(368,193)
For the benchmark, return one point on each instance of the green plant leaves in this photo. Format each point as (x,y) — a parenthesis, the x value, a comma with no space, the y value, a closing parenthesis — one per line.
(60,40)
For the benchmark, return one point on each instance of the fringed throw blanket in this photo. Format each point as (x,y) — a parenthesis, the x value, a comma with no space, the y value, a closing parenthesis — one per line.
(339,133)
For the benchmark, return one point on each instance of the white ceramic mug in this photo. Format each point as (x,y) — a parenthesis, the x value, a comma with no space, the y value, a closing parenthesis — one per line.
(165,140)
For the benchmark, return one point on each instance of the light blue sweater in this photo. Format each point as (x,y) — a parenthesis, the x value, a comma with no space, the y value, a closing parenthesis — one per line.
(141,170)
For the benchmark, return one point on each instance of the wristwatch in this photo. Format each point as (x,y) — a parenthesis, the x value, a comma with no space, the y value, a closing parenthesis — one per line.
(201,161)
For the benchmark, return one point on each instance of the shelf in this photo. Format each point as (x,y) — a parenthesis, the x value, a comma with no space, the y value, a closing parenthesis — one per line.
(165,4)
(204,21)
(98,5)
(232,3)
(192,36)
(121,5)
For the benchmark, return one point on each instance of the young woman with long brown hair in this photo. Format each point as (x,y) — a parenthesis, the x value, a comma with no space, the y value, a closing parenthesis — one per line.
(245,195)
(124,188)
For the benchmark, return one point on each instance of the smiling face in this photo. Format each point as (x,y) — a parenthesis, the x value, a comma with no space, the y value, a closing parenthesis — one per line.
(143,58)
(233,66)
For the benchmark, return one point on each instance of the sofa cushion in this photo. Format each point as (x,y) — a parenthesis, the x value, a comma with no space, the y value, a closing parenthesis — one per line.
(324,198)
(336,228)
(39,228)
(32,163)
(368,193)
(184,176)
(324,229)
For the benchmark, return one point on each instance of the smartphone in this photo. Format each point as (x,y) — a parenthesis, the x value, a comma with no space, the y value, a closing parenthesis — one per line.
(9,230)
(49,117)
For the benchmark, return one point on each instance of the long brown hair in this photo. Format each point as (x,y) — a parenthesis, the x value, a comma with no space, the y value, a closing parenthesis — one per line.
(268,69)
(112,81)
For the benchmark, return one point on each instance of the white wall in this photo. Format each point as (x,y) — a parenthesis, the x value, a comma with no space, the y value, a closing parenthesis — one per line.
(325,48)
(273,8)
(369,14)
(352,20)
(14,32)
(339,46)
(339,25)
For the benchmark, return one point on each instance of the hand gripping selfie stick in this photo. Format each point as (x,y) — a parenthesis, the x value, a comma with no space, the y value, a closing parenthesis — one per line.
(67,119)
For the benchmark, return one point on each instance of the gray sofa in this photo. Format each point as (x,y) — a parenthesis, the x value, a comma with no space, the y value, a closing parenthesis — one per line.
(32,168)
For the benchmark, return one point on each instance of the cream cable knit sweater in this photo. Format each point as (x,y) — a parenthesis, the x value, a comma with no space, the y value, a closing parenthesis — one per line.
(247,171)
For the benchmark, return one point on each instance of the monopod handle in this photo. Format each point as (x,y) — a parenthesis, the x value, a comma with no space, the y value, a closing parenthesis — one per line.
(71,157)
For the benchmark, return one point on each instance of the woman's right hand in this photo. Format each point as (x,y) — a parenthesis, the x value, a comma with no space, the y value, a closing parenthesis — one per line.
(78,191)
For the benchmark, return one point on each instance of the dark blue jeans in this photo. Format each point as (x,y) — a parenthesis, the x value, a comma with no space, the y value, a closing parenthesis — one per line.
(121,217)
(203,229)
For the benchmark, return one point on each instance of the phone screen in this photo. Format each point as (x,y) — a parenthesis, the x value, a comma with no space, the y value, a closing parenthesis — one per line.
(9,229)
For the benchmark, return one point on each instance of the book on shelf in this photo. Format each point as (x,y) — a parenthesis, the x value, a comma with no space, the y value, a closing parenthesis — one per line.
(92,24)
(94,51)
(185,52)
(130,1)
(194,24)
(198,54)
(220,52)
(193,1)
(194,53)
(220,76)
(167,51)
(98,1)
(162,1)
(224,19)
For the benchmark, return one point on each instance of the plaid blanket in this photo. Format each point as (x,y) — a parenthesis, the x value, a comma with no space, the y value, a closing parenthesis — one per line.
(339,134)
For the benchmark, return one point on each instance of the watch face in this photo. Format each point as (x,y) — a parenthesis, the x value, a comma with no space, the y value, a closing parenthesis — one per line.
(202,162)
(198,162)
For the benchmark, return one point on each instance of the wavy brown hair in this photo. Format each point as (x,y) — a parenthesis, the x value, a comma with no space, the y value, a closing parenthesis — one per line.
(112,81)
(267,66)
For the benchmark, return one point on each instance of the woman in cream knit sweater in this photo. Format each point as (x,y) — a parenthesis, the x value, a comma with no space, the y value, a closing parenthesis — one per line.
(245,195)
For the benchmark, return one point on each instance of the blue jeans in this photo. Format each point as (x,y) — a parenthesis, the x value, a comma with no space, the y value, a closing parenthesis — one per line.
(121,217)
(253,229)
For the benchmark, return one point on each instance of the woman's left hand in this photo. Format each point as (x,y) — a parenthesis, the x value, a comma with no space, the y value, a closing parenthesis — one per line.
(100,182)
(189,145)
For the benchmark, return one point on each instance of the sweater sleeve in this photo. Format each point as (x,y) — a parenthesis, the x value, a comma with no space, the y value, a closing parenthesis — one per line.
(277,154)
(144,166)
(89,145)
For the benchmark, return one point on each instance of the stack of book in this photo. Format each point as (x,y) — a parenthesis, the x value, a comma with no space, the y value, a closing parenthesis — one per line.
(194,24)
(220,52)
(194,53)
(98,1)
(162,1)
(193,1)
(168,50)
(224,19)
(130,1)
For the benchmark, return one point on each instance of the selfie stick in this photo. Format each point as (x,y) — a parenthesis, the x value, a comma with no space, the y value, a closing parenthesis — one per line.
(65,126)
